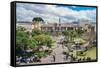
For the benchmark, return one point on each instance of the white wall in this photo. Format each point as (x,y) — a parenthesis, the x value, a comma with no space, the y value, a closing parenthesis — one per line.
(5,34)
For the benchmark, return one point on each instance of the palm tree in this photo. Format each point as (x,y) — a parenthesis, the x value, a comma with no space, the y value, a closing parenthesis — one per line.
(79,32)
(70,35)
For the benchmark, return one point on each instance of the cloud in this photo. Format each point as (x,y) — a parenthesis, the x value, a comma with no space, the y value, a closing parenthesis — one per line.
(52,13)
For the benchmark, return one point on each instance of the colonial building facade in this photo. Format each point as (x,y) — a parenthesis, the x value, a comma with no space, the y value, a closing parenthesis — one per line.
(57,26)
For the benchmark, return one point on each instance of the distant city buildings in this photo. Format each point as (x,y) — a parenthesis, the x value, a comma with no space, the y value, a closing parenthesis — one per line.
(83,24)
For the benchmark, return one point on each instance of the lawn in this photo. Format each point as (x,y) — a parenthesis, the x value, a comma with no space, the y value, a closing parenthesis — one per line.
(89,53)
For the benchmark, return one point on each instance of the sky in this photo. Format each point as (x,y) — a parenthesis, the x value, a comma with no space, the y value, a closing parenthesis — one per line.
(52,13)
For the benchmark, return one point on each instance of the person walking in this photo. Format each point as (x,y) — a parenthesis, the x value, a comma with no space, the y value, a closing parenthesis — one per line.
(54,58)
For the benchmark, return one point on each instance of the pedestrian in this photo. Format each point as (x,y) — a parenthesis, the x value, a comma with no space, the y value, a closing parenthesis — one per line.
(54,58)
(66,57)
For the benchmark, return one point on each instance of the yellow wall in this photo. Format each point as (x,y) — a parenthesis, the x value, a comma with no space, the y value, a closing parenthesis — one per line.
(36,26)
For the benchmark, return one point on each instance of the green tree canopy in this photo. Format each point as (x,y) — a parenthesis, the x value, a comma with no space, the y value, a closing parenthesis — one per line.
(21,41)
(21,36)
(43,39)
(70,35)
(32,43)
(36,32)
(79,32)
(37,19)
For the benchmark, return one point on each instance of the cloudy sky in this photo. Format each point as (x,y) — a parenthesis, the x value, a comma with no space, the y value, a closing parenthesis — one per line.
(52,13)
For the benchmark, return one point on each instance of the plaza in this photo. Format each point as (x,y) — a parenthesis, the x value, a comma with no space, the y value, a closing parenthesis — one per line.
(74,49)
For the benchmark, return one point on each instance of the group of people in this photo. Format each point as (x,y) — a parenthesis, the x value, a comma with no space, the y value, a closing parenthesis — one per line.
(27,59)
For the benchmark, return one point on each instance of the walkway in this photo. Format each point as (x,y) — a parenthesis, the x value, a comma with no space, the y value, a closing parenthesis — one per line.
(57,52)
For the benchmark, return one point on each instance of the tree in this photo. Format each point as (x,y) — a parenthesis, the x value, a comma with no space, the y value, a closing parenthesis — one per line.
(37,19)
(36,32)
(79,32)
(32,43)
(21,36)
(66,33)
(73,34)
(69,35)
(43,40)
(21,40)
